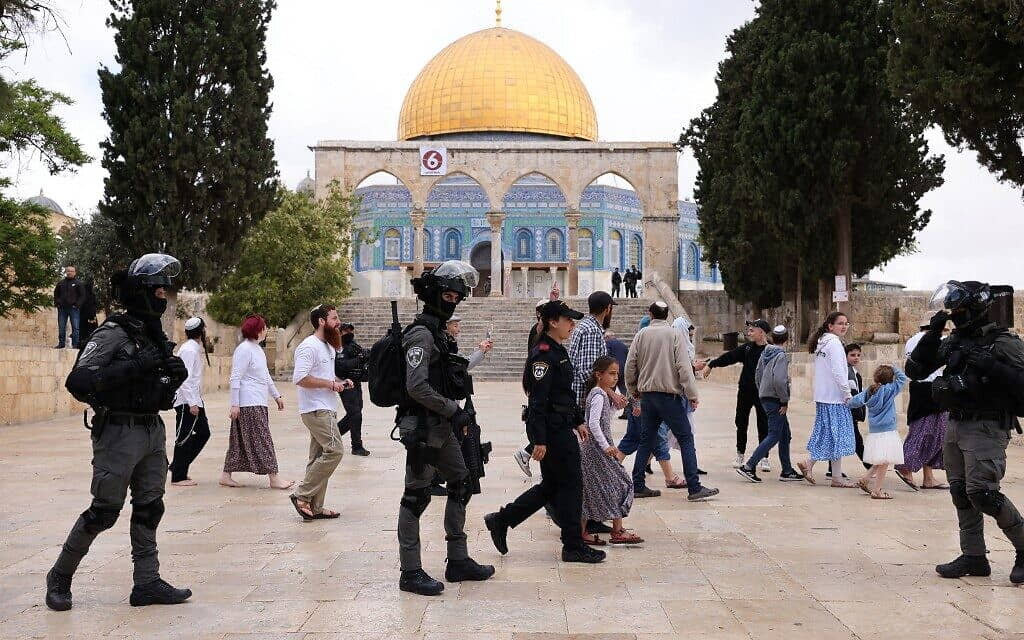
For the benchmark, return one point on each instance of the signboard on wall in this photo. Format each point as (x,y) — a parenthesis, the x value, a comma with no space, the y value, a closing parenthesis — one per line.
(433,161)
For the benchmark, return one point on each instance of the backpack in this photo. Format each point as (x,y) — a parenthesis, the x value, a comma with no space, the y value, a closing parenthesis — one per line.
(386,366)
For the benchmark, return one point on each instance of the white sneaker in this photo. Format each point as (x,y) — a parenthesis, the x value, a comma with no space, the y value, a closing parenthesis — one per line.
(766,466)
(522,458)
(738,462)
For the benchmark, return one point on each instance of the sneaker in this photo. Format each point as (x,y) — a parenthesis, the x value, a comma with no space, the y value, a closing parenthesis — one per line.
(1017,574)
(749,474)
(965,566)
(522,458)
(790,476)
(499,532)
(738,461)
(58,591)
(646,493)
(417,581)
(765,466)
(157,592)
(703,494)
(468,569)
(360,452)
(583,554)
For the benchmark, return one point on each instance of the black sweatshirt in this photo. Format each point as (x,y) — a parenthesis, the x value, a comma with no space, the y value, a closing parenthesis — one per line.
(748,354)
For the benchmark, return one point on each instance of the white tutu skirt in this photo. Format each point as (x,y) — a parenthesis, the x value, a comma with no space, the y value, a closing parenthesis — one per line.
(883,448)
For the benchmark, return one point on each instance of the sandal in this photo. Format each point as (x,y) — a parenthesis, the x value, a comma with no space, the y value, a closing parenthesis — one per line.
(675,483)
(909,481)
(941,485)
(881,495)
(596,541)
(843,484)
(625,537)
(805,469)
(306,513)
(863,484)
(326,514)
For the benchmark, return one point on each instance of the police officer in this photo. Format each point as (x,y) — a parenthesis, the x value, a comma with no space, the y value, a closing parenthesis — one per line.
(982,387)
(126,373)
(435,380)
(352,362)
(552,417)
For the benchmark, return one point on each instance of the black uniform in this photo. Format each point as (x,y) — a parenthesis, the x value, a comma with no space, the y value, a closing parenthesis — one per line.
(123,373)
(616,283)
(352,399)
(552,417)
(746,393)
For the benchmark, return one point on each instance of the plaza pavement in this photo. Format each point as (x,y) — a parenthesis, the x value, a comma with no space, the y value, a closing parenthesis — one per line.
(775,560)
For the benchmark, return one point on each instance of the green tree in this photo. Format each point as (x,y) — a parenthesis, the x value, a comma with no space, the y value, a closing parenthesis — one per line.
(190,166)
(96,250)
(296,258)
(960,63)
(29,129)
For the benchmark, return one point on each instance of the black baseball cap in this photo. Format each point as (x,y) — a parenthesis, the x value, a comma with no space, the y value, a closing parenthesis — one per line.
(347,326)
(599,300)
(558,309)
(760,324)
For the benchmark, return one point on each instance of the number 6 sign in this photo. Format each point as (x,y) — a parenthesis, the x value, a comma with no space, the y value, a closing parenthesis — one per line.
(433,161)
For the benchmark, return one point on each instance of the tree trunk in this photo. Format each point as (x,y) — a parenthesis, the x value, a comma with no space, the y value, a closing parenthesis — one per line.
(824,298)
(798,304)
(844,252)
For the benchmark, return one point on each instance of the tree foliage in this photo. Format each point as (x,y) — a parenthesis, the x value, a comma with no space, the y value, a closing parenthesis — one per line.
(960,63)
(296,258)
(805,131)
(28,261)
(190,166)
(95,249)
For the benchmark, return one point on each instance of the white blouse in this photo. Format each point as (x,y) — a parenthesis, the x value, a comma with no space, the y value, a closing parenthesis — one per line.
(594,412)
(250,378)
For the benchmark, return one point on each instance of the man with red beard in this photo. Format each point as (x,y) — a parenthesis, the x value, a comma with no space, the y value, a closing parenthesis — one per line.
(318,389)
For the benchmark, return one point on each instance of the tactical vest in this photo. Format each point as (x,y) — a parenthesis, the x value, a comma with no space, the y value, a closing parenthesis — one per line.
(146,393)
(980,392)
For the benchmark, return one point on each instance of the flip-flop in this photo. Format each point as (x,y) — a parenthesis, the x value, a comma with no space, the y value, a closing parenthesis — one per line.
(863,484)
(305,516)
(941,485)
(881,495)
(806,470)
(326,516)
(909,483)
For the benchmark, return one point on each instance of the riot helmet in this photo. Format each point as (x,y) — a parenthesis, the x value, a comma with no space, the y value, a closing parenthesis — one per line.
(452,275)
(966,302)
(136,286)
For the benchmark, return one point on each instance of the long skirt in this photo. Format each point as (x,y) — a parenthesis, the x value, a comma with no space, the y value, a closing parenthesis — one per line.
(923,446)
(251,448)
(607,486)
(832,436)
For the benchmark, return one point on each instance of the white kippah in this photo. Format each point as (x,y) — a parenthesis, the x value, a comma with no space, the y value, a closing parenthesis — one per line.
(661,305)
(779,329)
(192,323)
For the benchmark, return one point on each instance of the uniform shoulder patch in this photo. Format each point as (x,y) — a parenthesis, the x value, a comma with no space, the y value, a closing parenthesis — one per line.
(540,369)
(543,347)
(414,356)
(89,348)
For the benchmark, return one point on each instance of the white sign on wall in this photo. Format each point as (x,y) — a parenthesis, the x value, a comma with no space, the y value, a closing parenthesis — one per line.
(840,296)
(433,161)
(840,283)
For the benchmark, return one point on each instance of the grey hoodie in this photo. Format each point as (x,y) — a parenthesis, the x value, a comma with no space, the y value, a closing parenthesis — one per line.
(772,374)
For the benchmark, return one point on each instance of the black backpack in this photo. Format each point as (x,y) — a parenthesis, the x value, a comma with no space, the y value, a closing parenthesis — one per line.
(386,366)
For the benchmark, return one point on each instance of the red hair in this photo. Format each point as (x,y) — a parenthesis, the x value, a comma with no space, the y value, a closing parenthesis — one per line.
(252,326)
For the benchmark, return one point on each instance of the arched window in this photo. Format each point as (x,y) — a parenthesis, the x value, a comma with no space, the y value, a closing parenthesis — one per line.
(614,250)
(693,261)
(452,244)
(636,251)
(585,239)
(524,244)
(553,245)
(392,245)
(427,246)
(365,252)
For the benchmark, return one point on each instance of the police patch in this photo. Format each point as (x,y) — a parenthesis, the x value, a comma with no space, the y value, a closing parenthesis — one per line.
(540,369)
(414,356)
(89,348)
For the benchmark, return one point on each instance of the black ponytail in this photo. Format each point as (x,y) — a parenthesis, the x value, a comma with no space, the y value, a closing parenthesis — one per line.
(832,318)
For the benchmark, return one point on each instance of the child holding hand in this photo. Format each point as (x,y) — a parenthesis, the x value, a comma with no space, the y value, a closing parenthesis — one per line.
(883,446)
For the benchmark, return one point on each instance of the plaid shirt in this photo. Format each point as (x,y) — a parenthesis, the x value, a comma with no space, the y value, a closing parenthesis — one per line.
(585,346)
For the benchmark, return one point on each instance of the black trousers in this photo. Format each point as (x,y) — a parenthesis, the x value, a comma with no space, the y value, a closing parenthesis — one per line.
(352,422)
(745,400)
(190,436)
(616,290)
(561,485)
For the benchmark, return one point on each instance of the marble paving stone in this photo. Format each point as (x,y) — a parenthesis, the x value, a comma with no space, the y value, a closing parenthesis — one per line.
(758,561)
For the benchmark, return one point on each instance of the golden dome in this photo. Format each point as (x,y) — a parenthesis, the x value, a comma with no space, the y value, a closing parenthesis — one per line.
(497,80)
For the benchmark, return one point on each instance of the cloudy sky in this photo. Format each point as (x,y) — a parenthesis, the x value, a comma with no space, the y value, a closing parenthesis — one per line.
(341,70)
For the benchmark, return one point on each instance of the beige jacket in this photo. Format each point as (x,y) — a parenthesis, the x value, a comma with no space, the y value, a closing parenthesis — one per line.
(659,360)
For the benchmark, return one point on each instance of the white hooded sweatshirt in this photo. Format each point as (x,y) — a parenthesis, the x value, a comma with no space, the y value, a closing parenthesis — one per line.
(831,381)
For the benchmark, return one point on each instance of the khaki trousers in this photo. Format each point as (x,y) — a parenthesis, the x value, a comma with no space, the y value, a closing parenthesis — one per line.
(325,452)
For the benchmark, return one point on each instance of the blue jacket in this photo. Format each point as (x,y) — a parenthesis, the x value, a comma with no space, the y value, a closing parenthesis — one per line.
(881,404)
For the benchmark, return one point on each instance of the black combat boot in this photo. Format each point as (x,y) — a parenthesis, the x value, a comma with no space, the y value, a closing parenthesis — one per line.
(468,569)
(965,566)
(58,591)
(1017,574)
(417,581)
(157,592)
(499,532)
(582,554)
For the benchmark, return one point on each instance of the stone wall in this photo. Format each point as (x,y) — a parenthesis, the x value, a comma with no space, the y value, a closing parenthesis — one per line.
(37,329)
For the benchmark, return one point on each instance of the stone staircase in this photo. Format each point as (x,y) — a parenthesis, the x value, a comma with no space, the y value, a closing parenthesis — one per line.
(508,320)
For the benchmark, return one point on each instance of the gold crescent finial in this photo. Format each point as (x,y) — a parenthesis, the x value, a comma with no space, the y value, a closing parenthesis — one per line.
(497,14)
